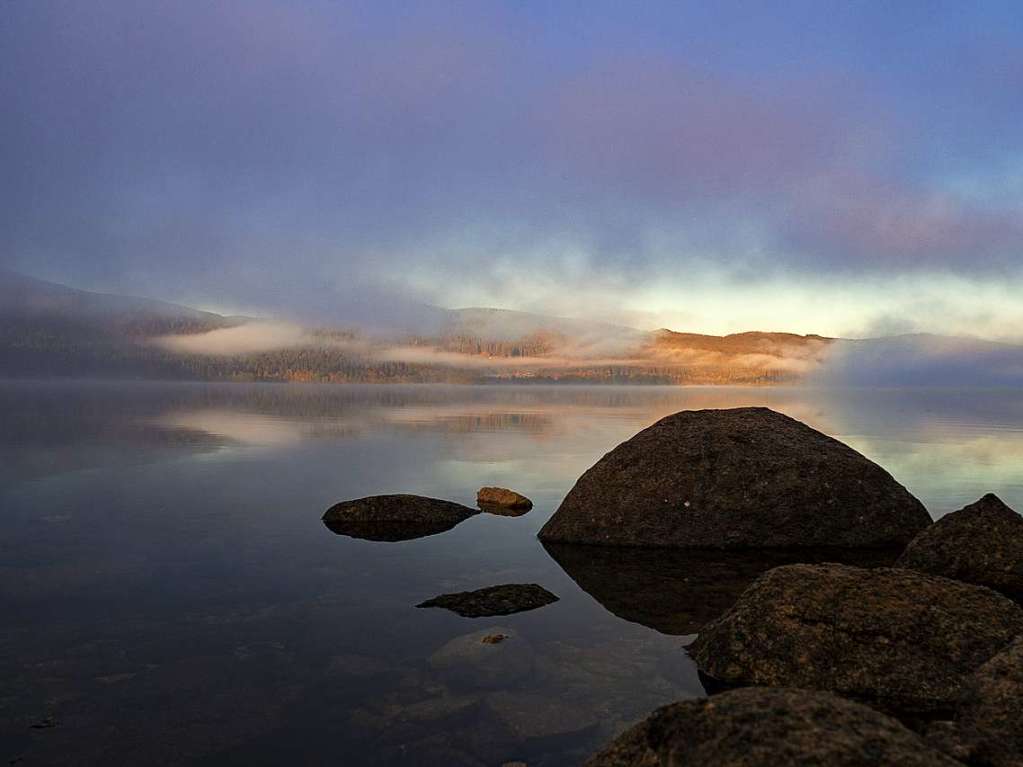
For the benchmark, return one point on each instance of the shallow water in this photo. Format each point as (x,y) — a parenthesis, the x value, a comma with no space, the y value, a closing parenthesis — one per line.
(170,595)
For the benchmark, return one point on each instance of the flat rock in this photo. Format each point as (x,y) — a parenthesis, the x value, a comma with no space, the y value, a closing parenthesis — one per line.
(905,641)
(678,591)
(500,500)
(494,600)
(395,517)
(760,727)
(981,543)
(988,729)
(740,478)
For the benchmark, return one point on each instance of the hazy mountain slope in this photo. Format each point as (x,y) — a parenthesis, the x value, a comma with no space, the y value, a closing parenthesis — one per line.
(27,298)
(754,342)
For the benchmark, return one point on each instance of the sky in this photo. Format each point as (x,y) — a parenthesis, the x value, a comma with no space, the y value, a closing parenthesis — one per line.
(844,168)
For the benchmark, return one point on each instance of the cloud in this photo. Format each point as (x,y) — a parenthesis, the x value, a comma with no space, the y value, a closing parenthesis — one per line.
(923,360)
(340,162)
(250,338)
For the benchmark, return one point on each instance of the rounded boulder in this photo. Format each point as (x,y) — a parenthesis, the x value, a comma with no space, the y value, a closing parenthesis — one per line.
(738,478)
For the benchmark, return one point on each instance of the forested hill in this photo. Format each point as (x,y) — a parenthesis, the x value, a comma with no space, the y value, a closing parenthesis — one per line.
(51,330)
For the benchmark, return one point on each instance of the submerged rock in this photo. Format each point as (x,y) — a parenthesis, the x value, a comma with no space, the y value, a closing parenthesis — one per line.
(906,641)
(475,661)
(981,543)
(989,723)
(494,600)
(499,500)
(741,478)
(760,727)
(395,517)
(678,591)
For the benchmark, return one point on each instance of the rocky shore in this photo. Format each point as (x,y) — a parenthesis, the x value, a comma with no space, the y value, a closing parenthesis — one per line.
(834,622)
(813,664)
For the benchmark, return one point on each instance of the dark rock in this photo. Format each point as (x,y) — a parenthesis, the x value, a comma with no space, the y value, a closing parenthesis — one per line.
(395,517)
(762,727)
(741,478)
(981,543)
(494,600)
(989,723)
(903,640)
(678,591)
(499,500)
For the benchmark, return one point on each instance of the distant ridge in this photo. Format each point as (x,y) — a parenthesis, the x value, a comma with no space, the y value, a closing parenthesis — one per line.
(47,329)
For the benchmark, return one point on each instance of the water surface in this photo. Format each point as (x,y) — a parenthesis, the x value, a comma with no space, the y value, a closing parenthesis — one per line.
(170,595)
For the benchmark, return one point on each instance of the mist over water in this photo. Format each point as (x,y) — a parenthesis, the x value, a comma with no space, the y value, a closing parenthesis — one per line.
(172,595)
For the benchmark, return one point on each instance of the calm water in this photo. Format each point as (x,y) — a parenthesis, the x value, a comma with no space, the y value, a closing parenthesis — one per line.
(169,594)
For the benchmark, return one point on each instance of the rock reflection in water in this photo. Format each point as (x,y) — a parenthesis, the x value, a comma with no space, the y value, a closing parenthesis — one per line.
(677,591)
(391,532)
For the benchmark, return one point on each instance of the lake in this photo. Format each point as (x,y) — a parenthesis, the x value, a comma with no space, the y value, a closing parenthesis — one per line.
(170,594)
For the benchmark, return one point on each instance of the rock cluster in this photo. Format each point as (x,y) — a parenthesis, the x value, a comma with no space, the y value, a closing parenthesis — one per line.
(740,478)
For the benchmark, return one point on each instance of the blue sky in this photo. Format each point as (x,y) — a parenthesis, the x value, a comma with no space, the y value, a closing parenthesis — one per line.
(843,168)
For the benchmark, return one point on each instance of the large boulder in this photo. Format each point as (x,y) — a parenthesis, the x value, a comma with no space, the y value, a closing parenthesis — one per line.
(742,478)
(759,727)
(988,729)
(678,591)
(981,543)
(906,641)
(395,517)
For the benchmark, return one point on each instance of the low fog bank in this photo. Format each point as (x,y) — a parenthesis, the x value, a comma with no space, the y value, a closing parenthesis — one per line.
(921,360)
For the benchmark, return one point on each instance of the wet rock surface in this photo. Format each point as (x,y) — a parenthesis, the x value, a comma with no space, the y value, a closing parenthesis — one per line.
(905,641)
(395,517)
(758,726)
(500,500)
(739,478)
(981,543)
(494,600)
(676,591)
(988,729)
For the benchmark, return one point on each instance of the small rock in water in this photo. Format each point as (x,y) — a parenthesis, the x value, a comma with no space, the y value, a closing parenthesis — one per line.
(499,500)
(493,639)
(395,517)
(981,543)
(494,600)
